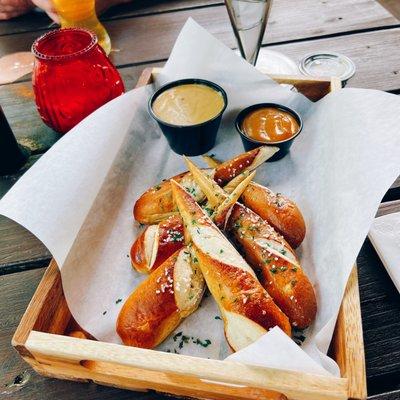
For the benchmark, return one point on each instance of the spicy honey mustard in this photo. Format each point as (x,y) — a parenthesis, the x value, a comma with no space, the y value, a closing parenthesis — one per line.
(188,104)
(269,124)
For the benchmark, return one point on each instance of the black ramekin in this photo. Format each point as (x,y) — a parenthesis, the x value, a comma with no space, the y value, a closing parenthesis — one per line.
(191,140)
(283,145)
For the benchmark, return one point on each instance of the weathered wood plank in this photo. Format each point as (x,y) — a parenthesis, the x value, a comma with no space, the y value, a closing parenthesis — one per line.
(288,22)
(19,249)
(395,395)
(17,380)
(388,208)
(393,6)
(36,21)
(381,318)
(376,55)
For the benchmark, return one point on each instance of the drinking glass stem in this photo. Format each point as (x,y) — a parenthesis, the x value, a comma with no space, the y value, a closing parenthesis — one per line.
(249,19)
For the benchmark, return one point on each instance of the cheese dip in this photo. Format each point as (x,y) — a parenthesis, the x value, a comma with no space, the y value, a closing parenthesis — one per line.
(188,104)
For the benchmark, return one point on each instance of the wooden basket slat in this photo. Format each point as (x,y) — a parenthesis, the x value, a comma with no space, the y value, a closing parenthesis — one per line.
(295,385)
(347,345)
(139,369)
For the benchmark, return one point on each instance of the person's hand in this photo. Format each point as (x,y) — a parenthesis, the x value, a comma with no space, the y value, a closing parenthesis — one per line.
(14,8)
(47,6)
(101,6)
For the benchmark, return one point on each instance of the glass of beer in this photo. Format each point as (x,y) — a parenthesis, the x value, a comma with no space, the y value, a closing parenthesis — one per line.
(82,14)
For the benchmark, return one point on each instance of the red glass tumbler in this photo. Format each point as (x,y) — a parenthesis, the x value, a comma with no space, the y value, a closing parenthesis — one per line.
(72,77)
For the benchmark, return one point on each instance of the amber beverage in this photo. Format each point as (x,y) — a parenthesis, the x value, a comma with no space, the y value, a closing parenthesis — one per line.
(82,14)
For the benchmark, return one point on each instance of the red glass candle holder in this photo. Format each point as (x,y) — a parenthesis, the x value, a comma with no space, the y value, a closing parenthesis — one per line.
(72,77)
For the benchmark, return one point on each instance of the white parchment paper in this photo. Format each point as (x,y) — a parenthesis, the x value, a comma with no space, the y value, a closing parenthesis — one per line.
(78,198)
(385,236)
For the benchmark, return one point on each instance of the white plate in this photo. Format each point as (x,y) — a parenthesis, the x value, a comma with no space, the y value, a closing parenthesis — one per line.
(272,62)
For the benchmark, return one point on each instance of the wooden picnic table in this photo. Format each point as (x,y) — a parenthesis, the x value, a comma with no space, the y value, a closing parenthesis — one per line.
(143,32)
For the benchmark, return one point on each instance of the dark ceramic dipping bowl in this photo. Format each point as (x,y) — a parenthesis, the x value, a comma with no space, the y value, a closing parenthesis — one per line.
(283,145)
(191,140)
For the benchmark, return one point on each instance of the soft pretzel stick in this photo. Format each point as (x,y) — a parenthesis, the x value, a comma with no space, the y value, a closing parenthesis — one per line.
(211,161)
(157,242)
(266,251)
(246,308)
(157,306)
(157,204)
(170,293)
(275,208)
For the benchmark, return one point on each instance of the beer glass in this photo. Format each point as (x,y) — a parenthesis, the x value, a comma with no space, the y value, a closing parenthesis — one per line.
(82,14)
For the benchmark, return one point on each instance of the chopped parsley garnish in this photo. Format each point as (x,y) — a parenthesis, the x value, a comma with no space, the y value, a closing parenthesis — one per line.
(218,317)
(175,236)
(191,190)
(118,301)
(184,339)
(176,336)
(209,211)
(298,336)
(204,343)
(104,312)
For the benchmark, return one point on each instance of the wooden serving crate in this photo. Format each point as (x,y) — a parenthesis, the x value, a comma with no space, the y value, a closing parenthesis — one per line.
(42,341)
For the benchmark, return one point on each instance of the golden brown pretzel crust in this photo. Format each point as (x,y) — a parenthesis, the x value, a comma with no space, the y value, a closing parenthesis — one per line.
(234,287)
(138,254)
(240,292)
(280,212)
(150,313)
(285,281)
(157,203)
(228,170)
(170,239)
